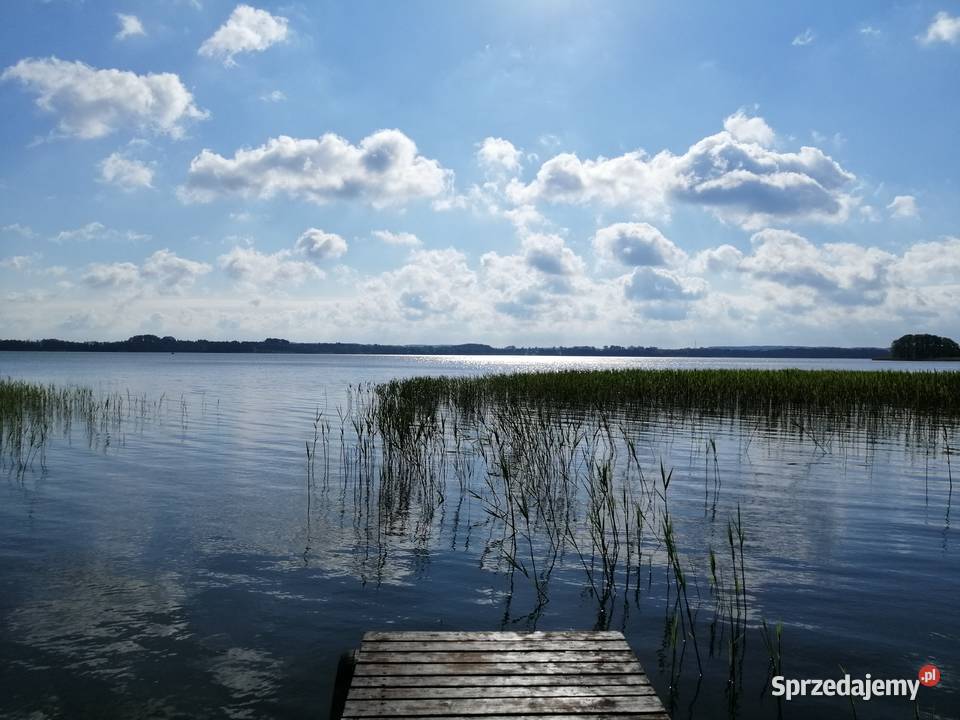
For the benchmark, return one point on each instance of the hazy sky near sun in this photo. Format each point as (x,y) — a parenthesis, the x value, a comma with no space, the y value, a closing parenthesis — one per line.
(509,172)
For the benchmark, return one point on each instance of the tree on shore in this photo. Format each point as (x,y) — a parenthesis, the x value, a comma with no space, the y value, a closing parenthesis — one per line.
(923,347)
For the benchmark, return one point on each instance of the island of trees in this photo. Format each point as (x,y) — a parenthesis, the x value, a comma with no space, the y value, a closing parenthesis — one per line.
(924,347)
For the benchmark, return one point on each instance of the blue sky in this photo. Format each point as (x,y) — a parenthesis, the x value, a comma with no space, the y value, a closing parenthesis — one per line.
(505,172)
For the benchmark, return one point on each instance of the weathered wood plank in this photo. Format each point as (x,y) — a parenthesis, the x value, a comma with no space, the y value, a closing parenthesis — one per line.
(507,646)
(497,706)
(437,675)
(428,692)
(498,668)
(579,656)
(413,636)
(496,680)
(566,716)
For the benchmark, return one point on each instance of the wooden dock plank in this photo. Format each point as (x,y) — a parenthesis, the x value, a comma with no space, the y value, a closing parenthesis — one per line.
(494,636)
(473,656)
(574,675)
(427,692)
(502,706)
(499,668)
(399,646)
(496,680)
(661,715)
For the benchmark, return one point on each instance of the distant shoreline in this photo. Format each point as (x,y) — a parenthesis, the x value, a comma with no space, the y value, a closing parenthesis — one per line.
(155,344)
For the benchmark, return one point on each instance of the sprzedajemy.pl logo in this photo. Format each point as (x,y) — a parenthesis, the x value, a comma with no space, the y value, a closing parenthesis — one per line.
(866,687)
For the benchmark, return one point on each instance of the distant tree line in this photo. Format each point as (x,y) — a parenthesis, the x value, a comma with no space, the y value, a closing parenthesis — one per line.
(169,344)
(924,347)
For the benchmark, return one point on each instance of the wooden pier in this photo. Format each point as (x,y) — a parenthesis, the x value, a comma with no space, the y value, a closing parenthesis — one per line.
(499,675)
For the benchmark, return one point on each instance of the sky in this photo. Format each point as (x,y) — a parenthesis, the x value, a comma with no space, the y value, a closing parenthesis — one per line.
(515,173)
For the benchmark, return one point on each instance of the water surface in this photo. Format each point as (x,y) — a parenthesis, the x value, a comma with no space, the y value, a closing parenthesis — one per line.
(181,568)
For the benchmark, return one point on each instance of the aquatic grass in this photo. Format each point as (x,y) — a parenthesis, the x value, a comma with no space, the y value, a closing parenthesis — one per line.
(702,389)
(32,414)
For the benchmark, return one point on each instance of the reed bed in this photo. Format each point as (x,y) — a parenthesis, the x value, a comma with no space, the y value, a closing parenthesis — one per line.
(559,465)
(33,414)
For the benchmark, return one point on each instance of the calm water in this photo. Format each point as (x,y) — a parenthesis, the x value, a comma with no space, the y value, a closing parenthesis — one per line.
(178,570)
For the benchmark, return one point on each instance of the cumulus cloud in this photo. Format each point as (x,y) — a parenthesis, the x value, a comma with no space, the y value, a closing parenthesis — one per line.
(92,103)
(925,263)
(944,28)
(253,268)
(432,284)
(732,173)
(841,272)
(318,245)
(550,255)
(749,129)
(752,185)
(497,155)
(126,173)
(20,263)
(658,284)
(103,275)
(404,239)
(384,169)
(630,179)
(723,258)
(248,29)
(171,272)
(97,231)
(903,206)
(130,25)
(17,229)
(635,244)
(804,38)
(274,96)
(164,271)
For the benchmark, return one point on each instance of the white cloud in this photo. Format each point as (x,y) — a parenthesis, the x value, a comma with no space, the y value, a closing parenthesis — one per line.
(171,272)
(126,173)
(549,254)
(384,169)
(97,231)
(19,263)
(18,229)
(248,29)
(658,284)
(274,96)
(724,258)
(749,129)
(804,38)
(435,285)
(114,275)
(630,179)
(318,245)
(253,268)
(927,263)
(870,31)
(524,217)
(752,186)
(944,28)
(92,103)
(130,25)
(903,206)
(397,238)
(498,156)
(730,173)
(844,273)
(164,271)
(636,244)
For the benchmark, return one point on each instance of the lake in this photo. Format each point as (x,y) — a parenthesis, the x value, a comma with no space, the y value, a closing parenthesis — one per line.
(183,563)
